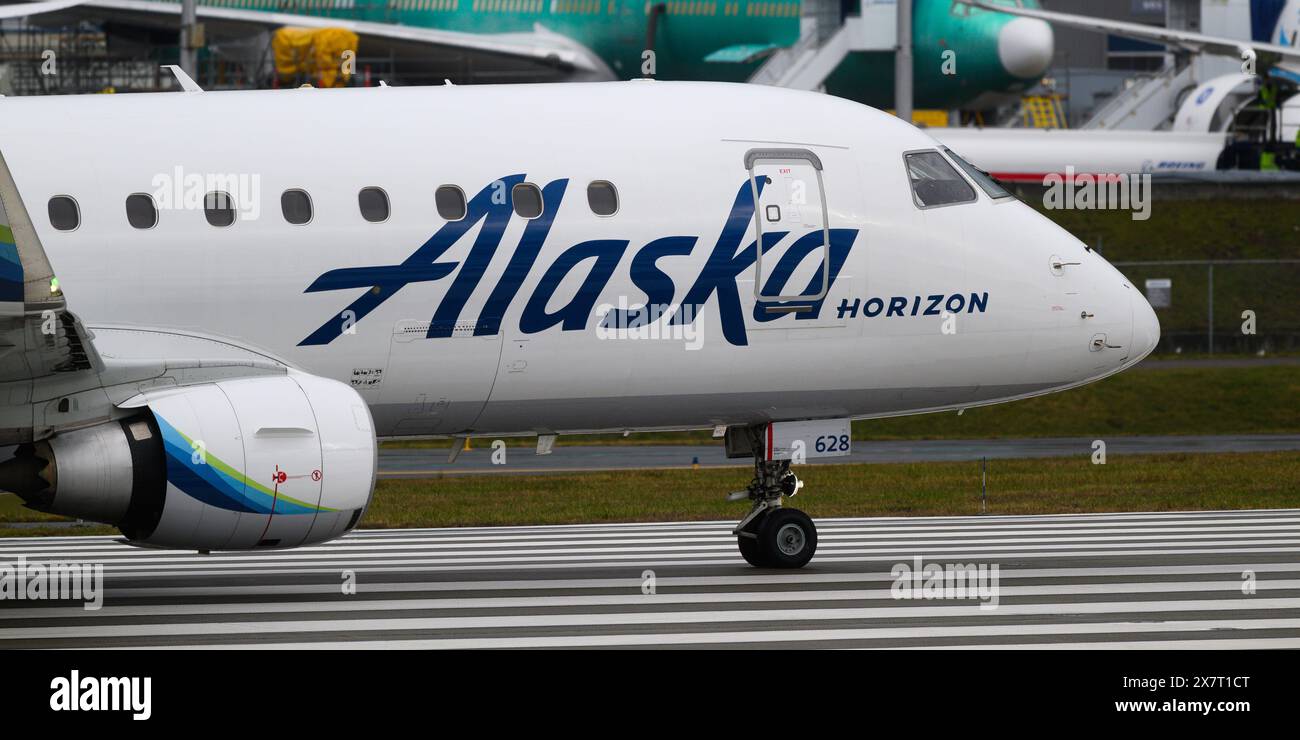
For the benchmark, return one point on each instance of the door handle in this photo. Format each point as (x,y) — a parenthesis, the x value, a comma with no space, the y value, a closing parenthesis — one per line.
(1057,264)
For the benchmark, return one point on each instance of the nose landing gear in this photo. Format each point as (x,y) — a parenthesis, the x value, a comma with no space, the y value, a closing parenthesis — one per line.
(771,535)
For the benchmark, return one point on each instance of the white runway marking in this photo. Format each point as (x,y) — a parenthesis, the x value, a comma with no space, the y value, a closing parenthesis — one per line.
(716,638)
(1072,581)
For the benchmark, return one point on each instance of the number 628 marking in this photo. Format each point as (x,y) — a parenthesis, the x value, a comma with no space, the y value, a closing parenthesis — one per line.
(832,443)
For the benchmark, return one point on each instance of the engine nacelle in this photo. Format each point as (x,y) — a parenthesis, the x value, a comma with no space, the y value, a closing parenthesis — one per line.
(266,462)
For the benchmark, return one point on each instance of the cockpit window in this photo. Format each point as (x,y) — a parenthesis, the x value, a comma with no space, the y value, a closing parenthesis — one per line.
(981,178)
(935,182)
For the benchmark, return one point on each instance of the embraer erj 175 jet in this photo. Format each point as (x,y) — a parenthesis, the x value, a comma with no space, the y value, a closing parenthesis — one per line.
(205,362)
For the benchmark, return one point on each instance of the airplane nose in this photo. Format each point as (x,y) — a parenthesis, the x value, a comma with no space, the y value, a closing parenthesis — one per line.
(1146,327)
(1025,46)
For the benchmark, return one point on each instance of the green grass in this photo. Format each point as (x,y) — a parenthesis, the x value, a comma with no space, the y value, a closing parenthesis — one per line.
(1059,485)
(1252,400)
(12,510)
(1063,485)
(1231,400)
(58,531)
(1271,291)
(1207,229)
(1189,230)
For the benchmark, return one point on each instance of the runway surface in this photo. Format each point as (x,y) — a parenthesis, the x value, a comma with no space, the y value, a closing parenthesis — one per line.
(418,463)
(1170,580)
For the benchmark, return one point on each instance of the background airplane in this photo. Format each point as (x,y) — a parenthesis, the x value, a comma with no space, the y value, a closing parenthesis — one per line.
(1200,133)
(1275,31)
(722,40)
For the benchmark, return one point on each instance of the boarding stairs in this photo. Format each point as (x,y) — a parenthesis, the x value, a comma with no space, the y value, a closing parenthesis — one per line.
(824,42)
(1146,103)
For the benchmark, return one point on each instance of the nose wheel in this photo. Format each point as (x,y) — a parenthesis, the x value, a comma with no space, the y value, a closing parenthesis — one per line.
(778,538)
(772,535)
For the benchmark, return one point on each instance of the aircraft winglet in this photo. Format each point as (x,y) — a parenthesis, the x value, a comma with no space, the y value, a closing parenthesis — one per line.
(741,53)
(22,10)
(187,83)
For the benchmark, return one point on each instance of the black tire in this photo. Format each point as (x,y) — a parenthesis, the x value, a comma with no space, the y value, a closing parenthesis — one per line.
(750,550)
(787,538)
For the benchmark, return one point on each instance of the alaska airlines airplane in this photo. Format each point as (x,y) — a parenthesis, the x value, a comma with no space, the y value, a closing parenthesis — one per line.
(207,323)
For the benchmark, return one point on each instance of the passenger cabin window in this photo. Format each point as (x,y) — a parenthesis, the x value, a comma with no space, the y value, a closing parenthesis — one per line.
(935,182)
(450,201)
(219,208)
(602,196)
(986,182)
(141,212)
(296,206)
(527,199)
(64,214)
(374,204)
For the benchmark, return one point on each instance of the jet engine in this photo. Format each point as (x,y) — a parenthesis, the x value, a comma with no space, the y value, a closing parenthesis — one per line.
(264,462)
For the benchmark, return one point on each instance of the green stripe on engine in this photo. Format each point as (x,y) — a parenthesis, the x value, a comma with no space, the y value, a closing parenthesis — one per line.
(6,234)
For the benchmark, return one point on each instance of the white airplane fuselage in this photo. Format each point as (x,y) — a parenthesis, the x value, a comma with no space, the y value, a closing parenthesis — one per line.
(1031,155)
(929,308)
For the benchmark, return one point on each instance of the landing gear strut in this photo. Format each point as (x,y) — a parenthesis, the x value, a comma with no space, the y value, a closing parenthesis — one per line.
(772,535)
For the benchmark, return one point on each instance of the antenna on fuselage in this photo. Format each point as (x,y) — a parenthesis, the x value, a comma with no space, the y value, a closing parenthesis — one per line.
(187,83)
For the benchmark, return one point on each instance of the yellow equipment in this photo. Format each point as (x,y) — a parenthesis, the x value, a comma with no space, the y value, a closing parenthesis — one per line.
(927,118)
(1042,111)
(326,54)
